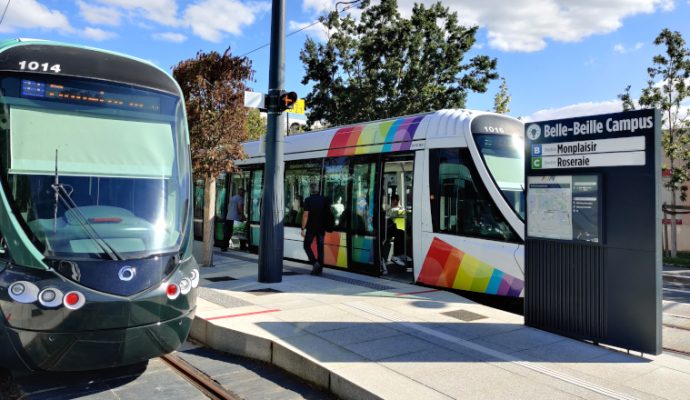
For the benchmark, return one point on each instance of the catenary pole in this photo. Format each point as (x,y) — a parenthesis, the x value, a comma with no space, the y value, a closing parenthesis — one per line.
(271,236)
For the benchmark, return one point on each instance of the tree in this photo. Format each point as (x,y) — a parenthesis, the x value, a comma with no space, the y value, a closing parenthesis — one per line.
(385,65)
(256,124)
(626,99)
(213,87)
(667,88)
(502,99)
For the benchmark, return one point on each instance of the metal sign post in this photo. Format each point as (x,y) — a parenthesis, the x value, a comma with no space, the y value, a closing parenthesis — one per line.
(593,240)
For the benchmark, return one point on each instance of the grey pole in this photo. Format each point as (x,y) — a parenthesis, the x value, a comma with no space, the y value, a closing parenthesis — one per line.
(271,226)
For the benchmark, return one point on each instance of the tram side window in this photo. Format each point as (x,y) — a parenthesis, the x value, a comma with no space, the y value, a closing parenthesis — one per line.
(240,180)
(199,199)
(298,176)
(256,191)
(221,200)
(335,183)
(461,205)
(363,185)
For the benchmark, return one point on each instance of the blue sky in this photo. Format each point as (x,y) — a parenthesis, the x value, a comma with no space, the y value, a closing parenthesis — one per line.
(559,57)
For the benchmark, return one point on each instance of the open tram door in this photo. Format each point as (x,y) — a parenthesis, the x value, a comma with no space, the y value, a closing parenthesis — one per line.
(395,218)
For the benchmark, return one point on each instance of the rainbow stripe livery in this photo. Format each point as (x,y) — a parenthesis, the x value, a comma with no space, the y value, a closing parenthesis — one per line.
(382,137)
(446,266)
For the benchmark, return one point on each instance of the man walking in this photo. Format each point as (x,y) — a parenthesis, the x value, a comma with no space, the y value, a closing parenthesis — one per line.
(316,209)
(235,213)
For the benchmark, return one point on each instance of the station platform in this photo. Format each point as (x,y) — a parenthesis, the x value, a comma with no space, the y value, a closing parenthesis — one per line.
(362,337)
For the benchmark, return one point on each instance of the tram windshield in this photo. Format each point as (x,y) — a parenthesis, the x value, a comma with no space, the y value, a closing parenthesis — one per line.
(504,157)
(94,170)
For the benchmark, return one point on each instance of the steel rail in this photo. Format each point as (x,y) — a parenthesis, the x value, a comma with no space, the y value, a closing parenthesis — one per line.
(210,388)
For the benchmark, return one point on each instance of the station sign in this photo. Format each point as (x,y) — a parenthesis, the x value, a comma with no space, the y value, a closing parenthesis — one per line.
(593,223)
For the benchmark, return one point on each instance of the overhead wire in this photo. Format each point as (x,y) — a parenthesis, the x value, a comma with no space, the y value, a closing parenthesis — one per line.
(5,11)
(350,4)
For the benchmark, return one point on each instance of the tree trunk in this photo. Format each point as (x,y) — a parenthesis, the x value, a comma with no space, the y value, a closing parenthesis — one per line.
(209,220)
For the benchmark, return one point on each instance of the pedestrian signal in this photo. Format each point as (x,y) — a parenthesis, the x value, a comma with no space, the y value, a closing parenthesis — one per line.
(287,101)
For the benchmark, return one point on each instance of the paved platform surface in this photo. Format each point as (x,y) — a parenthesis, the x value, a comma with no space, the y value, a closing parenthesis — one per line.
(367,338)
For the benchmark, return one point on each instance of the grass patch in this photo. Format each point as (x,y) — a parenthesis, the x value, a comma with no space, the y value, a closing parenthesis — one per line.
(682,258)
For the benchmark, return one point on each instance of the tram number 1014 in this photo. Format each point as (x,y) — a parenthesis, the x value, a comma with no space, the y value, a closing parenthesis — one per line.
(36,66)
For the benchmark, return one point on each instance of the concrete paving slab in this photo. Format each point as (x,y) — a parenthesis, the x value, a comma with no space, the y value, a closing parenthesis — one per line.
(519,340)
(387,347)
(614,367)
(358,333)
(322,350)
(567,350)
(658,381)
(381,383)
(486,381)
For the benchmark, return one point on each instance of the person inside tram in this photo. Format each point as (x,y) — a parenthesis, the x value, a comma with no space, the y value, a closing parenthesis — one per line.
(392,234)
(295,214)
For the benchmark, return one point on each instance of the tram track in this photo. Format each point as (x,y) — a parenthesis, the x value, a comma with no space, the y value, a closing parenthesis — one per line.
(209,387)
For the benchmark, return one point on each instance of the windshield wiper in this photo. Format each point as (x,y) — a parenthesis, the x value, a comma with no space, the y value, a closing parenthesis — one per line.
(62,194)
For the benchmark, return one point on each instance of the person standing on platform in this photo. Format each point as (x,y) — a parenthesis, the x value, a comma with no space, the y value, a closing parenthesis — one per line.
(235,213)
(316,213)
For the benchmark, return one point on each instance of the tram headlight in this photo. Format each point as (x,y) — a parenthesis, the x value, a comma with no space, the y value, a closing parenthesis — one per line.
(195,278)
(185,286)
(50,297)
(18,289)
(23,292)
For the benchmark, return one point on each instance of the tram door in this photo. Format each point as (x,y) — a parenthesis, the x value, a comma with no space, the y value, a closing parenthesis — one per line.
(395,218)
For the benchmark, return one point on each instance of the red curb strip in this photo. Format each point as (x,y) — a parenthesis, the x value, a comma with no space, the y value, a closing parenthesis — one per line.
(241,315)
(423,291)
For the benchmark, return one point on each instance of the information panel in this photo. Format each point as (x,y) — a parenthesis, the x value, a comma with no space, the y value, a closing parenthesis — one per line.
(593,223)
(563,207)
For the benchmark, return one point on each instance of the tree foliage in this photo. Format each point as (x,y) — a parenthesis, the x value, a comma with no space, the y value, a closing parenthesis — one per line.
(256,124)
(626,99)
(502,99)
(213,86)
(667,89)
(384,65)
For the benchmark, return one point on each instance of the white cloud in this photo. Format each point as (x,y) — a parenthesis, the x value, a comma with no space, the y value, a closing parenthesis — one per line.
(30,14)
(213,19)
(99,15)
(576,110)
(97,34)
(528,25)
(170,37)
(669,5)
(619,48)
(318,30)
(318,6)
(163,12)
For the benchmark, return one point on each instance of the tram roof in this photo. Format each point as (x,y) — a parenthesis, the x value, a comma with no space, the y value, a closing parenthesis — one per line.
(394,134)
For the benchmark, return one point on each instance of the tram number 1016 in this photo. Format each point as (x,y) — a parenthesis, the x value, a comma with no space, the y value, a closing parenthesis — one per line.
(36,66)
(493,129)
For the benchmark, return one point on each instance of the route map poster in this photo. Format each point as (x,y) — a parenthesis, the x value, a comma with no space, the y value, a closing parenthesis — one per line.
(563,207)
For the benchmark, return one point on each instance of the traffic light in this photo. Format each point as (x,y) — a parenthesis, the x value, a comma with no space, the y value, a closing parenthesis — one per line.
(287,101)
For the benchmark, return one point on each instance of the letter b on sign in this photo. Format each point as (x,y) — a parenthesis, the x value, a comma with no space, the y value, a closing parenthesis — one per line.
(536,150)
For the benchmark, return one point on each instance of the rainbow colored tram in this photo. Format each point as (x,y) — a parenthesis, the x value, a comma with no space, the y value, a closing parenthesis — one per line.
(445,187)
